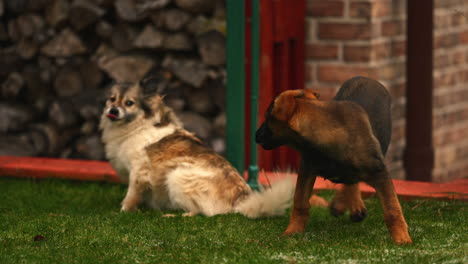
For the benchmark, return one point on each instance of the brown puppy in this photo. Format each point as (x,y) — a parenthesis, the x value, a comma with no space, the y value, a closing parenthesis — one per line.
(343,140)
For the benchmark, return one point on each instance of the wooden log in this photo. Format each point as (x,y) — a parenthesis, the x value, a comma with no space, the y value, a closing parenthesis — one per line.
(89,127)
(178,41)
(10,61)
(219,12)
(46,138)
(103,54)
(137,10)
(217,89)
(190,71)
(129,68)
(144,6)
(104,29)
(25,26)
(62,114)
(90,111)
(47,69)
(175,103)
(12,86)
(68,82)
(26,48)
(200,101)
(16,145)
(54,138)
(36,92)
(84,13)
(123,36)
(14,117)
(37,5)
(43,36)
(91,75)
(201,24)
(175,95)
(22,6)
(66,44)
(219,124)
(150,38)
(57,12)
(89,103)
(16,6)
(170,19)
(2,8)
(218,144)
(89,148)
(128,10)
(197,124)
(109,4)
(3,32)
(212,48)
(196,6)
(38,141)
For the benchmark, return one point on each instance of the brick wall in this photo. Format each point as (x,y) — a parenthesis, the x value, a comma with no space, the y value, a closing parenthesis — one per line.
(451,89)
(346,38)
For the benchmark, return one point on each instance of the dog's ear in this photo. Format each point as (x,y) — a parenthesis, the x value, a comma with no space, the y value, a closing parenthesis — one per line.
(311,94)
(152,88)
(285,105)
(156,83)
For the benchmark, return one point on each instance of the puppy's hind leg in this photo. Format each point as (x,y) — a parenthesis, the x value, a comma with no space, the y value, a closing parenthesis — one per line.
(393,215)
(349,197)
(317,201)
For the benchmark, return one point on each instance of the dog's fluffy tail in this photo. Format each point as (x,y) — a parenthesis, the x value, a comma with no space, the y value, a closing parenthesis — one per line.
(269,202)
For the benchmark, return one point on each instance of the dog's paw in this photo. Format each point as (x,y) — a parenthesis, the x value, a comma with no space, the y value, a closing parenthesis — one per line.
(126,209)
(189,214)
(290,232)
(337,211)
(293,229)
(169,215)
(400,235)
(402,239)
(358,215)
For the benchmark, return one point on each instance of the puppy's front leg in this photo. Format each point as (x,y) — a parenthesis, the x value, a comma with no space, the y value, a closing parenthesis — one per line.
(393,215)
(133,196)
(300,212)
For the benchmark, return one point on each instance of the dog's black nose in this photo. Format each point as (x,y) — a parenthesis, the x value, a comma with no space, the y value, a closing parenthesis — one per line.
(114,111)
(261,134)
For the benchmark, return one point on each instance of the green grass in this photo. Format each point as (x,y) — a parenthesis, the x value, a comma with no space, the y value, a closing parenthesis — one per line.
(81,223)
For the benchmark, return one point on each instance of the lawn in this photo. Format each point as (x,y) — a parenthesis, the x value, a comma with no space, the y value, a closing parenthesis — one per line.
(80,222)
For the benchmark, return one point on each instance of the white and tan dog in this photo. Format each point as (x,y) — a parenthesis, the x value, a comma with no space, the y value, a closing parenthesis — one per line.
(167,167)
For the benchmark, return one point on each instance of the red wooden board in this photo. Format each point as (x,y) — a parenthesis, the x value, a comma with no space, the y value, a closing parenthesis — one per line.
(40,168)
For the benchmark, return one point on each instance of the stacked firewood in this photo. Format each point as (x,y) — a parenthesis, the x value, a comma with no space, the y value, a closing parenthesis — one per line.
(58,56)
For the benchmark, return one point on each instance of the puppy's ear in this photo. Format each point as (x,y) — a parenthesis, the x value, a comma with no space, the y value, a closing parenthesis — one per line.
(285,105)
(311,94)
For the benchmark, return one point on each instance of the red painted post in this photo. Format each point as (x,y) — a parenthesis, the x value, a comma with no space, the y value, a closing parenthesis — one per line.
(281,65)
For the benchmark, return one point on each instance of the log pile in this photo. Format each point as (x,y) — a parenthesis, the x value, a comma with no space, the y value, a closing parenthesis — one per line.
(58,56)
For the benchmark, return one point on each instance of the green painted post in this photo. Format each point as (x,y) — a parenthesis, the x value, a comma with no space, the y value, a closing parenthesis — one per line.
(235,94)
(255,84)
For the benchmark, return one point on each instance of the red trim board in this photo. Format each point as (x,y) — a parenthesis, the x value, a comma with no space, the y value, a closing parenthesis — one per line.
(39,168)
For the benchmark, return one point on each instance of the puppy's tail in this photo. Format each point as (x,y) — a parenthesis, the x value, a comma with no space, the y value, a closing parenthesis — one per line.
(269,202)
